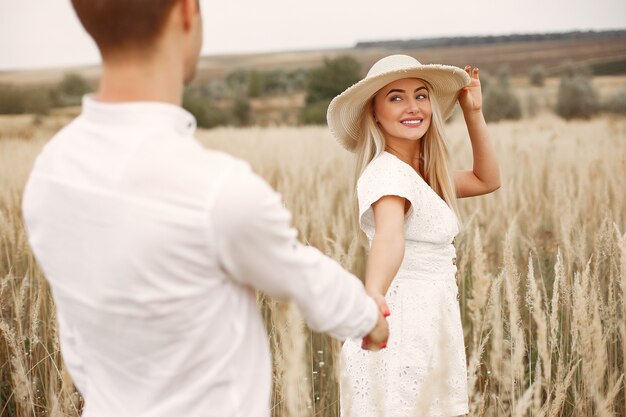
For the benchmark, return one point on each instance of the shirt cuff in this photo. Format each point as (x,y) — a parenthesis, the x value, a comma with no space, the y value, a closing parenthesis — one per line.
(370,318)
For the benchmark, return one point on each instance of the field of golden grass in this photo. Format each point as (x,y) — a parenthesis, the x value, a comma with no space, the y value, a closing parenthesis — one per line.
(542,269)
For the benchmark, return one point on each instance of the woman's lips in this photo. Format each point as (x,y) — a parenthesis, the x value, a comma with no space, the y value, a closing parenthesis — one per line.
(412,122)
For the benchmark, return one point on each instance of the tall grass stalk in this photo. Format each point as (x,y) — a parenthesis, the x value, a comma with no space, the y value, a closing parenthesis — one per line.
(541,270)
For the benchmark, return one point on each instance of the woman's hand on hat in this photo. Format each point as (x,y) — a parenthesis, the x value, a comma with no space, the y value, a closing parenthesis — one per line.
(471,98)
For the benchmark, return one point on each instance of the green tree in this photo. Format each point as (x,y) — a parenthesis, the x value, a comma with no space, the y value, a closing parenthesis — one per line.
(74,85)
(315,113)
(255,85)
(237,81)
(38,101)
(576,98)
(537,76)
(19,100)
(241,111)
(70,90)
(570,68)
(206,113)
(334,76)
(499,101)
(326,82)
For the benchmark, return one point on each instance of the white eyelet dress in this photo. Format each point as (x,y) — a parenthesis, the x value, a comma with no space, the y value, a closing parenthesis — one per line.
(422,372)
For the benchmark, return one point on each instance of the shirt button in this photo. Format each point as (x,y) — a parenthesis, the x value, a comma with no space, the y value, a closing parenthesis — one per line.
(454,261)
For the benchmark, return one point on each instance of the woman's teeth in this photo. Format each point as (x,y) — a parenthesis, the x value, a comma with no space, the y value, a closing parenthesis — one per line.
(412,122)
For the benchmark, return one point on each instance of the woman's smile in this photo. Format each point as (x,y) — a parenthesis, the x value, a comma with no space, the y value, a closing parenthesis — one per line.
(404,102)
(412,122)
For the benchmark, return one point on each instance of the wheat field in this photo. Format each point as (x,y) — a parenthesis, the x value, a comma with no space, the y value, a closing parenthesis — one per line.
(542,269)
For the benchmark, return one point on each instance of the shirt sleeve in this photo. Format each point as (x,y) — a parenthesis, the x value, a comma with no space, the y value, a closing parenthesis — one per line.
(257,247)
(71,357)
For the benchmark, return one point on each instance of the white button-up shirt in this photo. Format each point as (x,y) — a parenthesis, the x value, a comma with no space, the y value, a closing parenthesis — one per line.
(153,246)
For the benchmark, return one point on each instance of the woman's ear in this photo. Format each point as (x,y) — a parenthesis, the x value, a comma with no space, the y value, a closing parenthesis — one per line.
(373,103)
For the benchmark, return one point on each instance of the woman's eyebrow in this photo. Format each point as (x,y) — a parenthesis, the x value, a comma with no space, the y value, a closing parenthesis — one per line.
(395,90)
(398,90)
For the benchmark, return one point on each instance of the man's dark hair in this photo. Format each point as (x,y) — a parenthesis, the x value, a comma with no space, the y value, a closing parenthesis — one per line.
(120,24)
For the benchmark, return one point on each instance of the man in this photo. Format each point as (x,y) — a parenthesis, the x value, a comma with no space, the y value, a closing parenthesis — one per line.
(153,245)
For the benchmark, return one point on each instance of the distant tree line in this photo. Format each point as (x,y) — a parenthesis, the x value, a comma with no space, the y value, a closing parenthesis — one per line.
(228,101)
(577,97)
(490,40)
(40,99)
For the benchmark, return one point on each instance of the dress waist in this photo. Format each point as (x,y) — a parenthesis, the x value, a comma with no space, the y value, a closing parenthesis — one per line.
(428,261)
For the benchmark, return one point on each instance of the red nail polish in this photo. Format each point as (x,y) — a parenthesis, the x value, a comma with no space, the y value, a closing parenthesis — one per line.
(384,345)
(365,343)
(387,313)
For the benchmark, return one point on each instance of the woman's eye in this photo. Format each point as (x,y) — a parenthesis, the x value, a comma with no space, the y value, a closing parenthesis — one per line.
(394,98)
(421,96)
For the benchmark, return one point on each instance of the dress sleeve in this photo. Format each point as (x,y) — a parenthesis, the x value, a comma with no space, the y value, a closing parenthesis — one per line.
(258,248)
(383,176)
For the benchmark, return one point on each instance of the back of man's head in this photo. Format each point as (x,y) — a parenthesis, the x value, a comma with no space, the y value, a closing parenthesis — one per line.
(117,25)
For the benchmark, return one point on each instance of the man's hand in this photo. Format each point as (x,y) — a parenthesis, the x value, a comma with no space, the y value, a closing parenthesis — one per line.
(377,338)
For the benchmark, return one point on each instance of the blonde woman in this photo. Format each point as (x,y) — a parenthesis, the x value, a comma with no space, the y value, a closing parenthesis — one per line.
(393,120)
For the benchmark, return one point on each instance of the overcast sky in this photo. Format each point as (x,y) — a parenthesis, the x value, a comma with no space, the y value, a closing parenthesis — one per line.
(46,33)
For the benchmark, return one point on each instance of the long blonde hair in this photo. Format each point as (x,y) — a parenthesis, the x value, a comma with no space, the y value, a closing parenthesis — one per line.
(436,171)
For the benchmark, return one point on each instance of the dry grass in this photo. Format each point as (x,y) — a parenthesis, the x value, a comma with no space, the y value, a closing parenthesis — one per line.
(542,270)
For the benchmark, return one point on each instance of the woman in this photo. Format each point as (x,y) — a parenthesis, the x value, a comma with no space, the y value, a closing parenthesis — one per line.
(393,121)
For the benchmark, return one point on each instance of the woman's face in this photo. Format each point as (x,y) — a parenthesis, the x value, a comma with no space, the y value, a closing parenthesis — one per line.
(402,109)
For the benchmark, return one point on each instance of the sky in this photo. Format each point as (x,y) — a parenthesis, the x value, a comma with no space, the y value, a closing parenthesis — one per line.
(46,33)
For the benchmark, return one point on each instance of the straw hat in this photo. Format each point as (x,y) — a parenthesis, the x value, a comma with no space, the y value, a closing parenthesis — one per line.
(345,110)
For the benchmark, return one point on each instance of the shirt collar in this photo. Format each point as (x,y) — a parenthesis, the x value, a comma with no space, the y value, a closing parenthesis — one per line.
(138,112)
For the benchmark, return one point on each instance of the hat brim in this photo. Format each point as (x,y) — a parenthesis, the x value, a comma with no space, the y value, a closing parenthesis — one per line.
(344,111)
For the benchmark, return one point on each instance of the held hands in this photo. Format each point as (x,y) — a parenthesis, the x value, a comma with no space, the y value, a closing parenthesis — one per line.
(377,339)
(471,98)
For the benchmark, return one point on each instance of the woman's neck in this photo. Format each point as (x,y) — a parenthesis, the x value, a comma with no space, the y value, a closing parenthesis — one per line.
(407,151)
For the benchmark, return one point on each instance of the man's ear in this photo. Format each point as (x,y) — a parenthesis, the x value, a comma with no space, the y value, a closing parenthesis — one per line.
(190,10)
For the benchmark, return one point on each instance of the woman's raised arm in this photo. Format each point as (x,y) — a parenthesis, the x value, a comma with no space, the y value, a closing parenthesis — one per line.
(485,175)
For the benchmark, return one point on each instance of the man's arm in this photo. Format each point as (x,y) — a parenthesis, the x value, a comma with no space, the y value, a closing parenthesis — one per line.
(257,247)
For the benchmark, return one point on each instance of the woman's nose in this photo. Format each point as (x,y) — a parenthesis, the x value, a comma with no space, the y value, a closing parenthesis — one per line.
(412,106)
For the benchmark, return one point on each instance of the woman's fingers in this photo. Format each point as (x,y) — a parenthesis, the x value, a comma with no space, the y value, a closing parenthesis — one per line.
(472,73)
(365,343)
(384,308)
